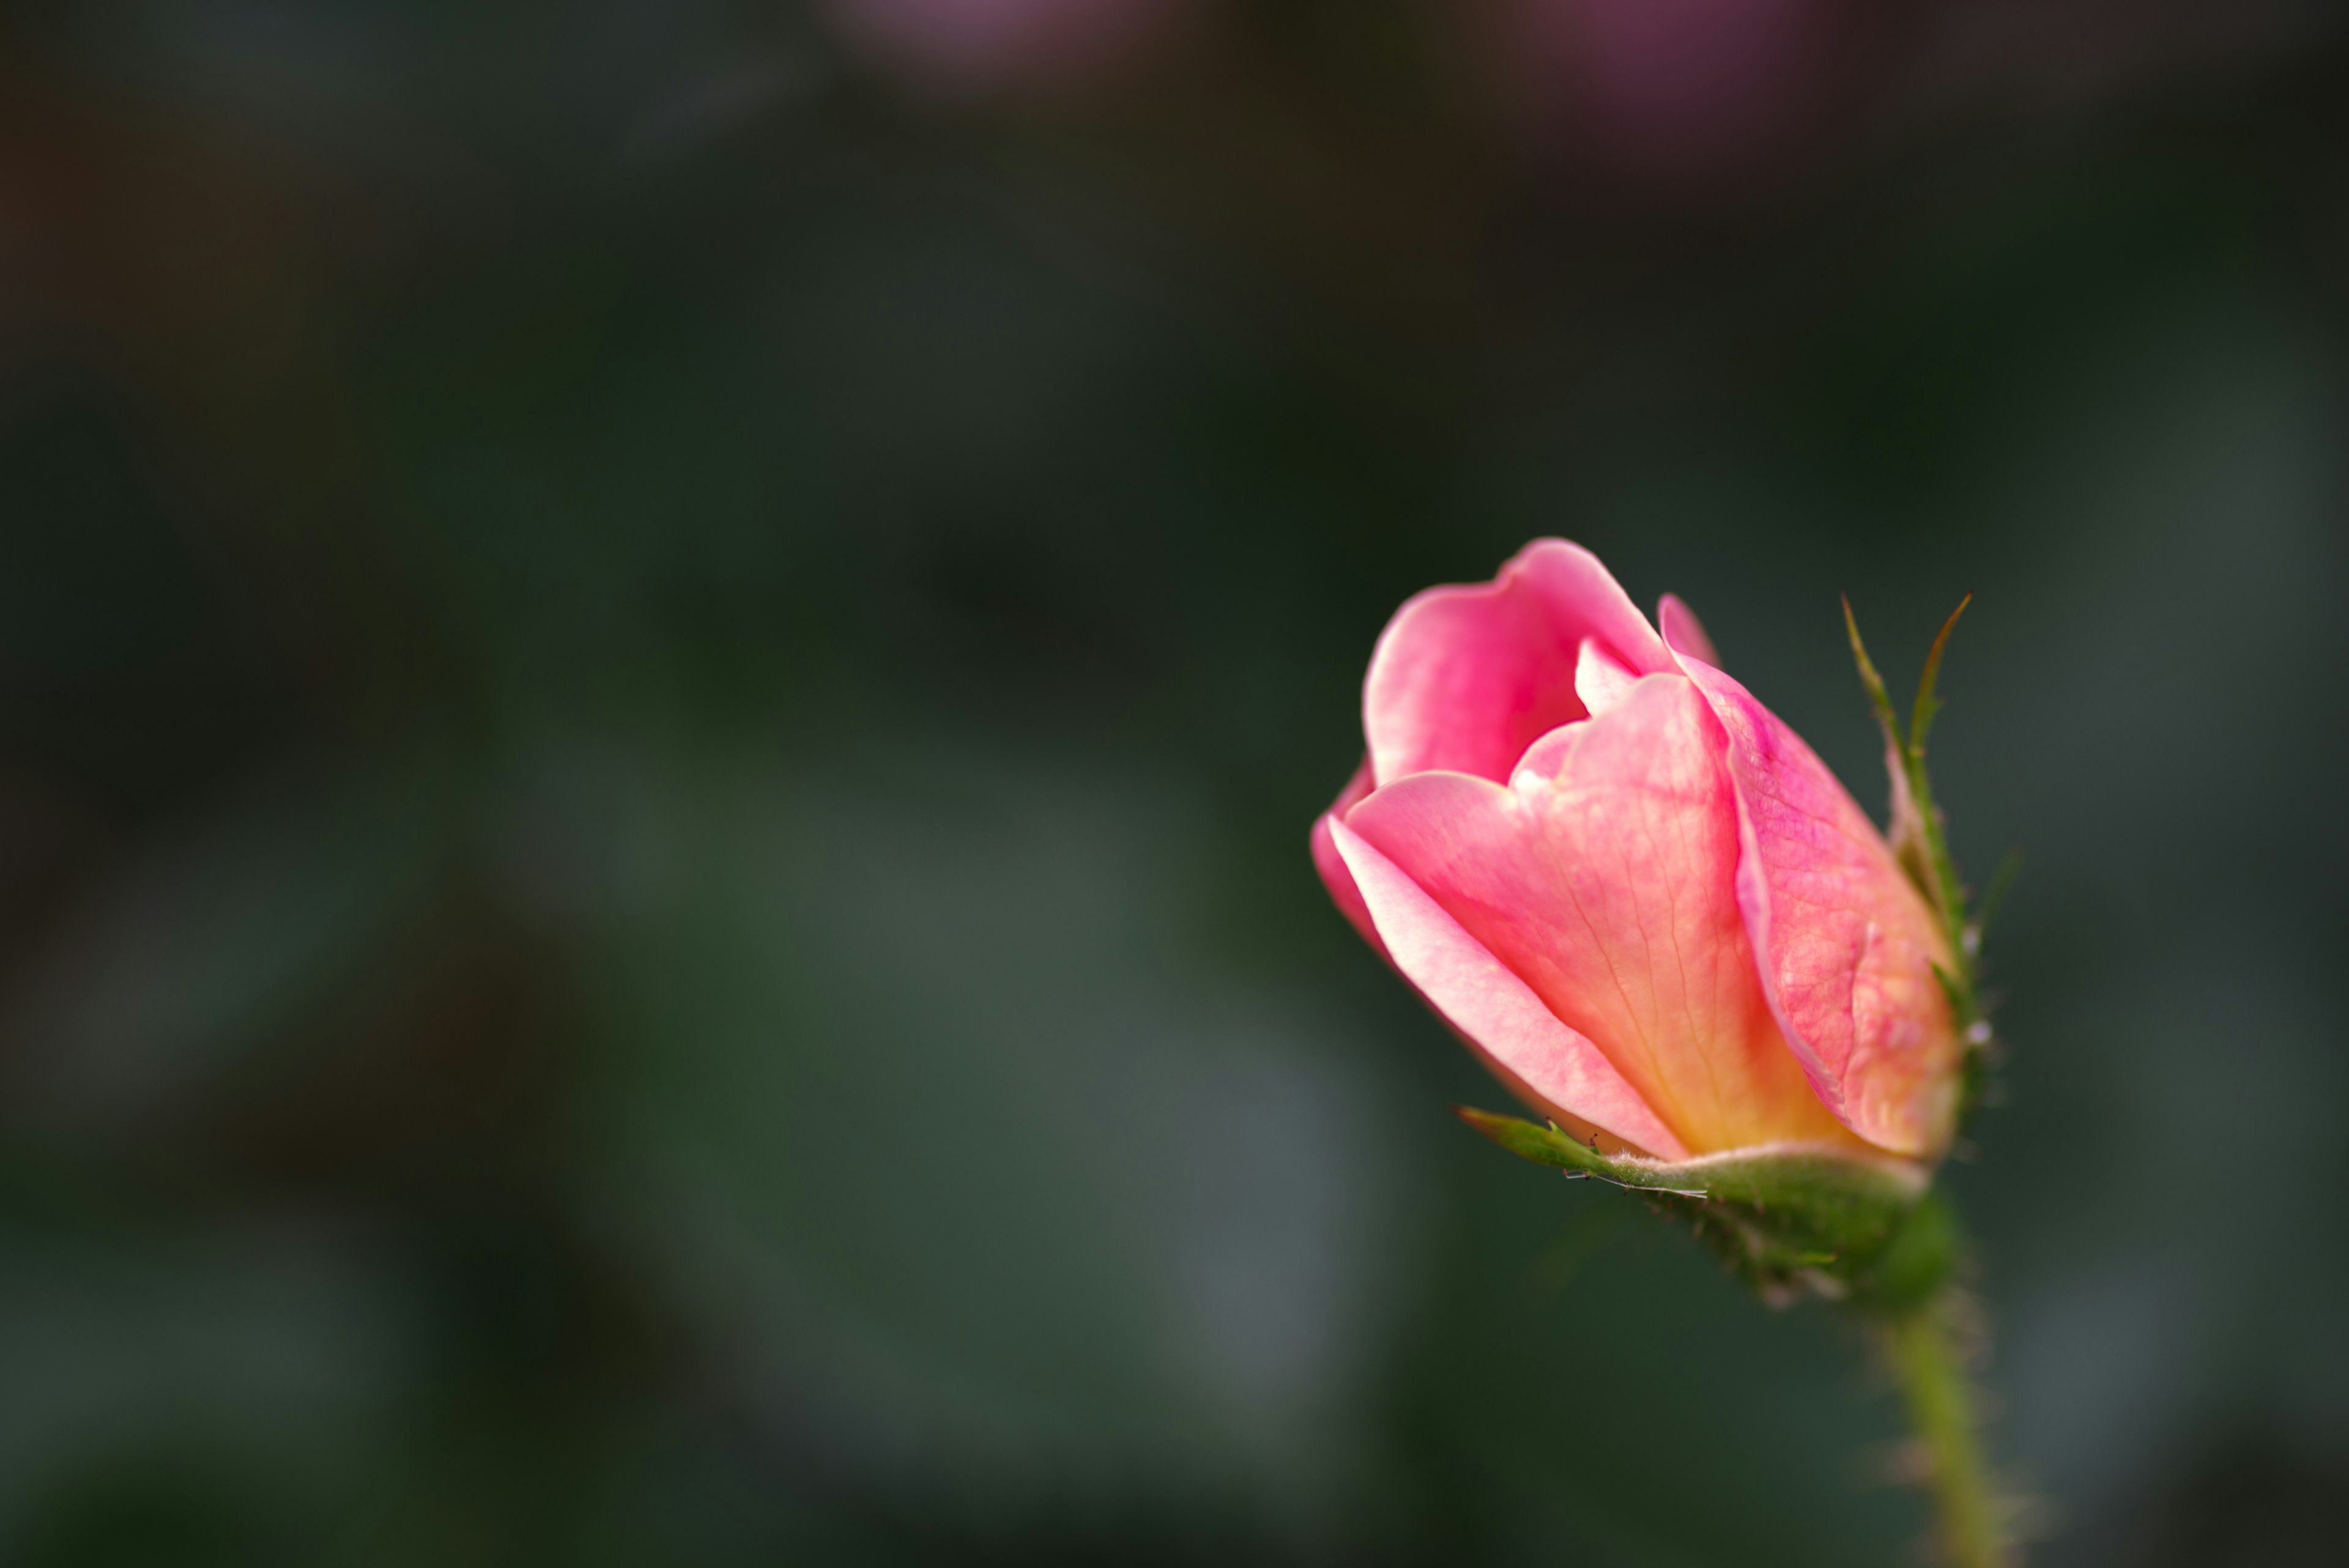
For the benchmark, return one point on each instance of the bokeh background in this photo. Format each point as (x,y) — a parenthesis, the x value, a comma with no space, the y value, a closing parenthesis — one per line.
(663,665)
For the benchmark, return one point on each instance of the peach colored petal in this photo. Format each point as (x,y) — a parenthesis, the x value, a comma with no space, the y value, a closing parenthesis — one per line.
(1546,1063)
(1332,864)
(1849,946)
(1603,878)
(1465,679)
(1684,633)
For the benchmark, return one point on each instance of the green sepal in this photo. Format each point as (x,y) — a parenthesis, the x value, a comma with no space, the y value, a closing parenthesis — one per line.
(1921,843)
(1792,1219)
(1905,827)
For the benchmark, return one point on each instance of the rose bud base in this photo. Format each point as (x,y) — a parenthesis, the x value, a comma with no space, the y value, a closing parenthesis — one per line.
(1792,1219)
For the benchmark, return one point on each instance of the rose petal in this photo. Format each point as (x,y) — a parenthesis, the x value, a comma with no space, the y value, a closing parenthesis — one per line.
(1545,1062)
(1603,877)
(1684,633)
(1332,864)
(1849,945)
(1465,679)
(1599,678)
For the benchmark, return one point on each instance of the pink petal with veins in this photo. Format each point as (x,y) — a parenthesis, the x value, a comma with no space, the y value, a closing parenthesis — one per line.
(1849,943)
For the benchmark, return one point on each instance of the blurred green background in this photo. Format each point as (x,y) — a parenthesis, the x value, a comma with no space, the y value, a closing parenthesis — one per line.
(663,665)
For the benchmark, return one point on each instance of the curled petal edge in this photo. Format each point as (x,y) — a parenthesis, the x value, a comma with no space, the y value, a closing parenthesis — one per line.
(1335,876)
(1684,633)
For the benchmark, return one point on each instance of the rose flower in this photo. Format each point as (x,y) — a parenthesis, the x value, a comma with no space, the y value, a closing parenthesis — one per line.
(1641,899)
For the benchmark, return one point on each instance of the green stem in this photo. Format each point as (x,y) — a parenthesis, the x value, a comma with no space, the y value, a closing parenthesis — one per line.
(1941,1407)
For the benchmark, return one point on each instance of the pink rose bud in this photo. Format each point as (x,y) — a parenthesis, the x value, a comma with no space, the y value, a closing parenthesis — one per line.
(1637,894)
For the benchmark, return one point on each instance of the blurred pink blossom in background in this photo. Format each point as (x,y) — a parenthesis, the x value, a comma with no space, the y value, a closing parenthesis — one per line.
(1672,87)
(969,46)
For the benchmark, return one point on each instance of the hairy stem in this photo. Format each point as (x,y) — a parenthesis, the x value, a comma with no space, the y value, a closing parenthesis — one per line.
(1941,1410)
